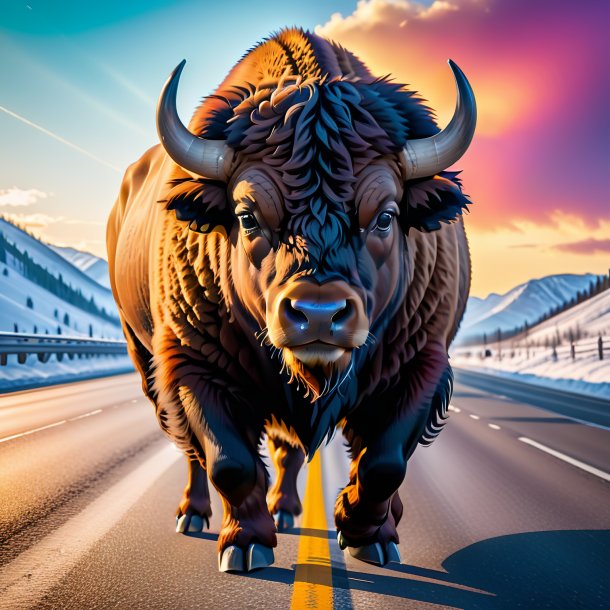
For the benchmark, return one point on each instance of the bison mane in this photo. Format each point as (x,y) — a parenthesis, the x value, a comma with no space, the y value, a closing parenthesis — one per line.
(319,132)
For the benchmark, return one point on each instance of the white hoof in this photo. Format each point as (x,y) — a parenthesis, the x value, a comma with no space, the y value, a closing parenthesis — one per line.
(232,560)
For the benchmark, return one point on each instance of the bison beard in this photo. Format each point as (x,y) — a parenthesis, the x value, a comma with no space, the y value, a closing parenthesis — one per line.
(295,261)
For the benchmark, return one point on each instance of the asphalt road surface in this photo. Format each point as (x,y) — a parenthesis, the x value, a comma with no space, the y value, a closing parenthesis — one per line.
(509,508)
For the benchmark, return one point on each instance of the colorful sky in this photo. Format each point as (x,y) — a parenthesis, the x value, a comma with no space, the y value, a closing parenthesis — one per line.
(80,81)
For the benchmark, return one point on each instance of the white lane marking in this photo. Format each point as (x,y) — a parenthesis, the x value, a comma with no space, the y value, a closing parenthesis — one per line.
(57,423)
(10,438)
(28,578)
(566,458)
(494,426)
(454,409)
(86,415)
(134,401)
(474,416)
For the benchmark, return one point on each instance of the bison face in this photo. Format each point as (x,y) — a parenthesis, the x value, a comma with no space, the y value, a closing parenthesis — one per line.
(323,178)
(317,293)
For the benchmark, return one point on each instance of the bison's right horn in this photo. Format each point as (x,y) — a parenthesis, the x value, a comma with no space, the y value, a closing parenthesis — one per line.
(209,159)
(429,156)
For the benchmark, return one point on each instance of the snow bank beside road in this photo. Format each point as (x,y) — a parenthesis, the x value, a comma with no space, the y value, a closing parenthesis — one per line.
(33,374)
(587,375)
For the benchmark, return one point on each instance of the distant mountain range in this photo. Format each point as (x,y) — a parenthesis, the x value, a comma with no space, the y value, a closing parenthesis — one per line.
(45,289)
(94,266)
(527,302)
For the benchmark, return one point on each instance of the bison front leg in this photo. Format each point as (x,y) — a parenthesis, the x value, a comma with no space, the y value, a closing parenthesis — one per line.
(194,510)
(248,533)
(283,498)
(235,469)
(368,510)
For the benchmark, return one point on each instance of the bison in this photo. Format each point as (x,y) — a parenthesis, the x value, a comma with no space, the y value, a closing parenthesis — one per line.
(294,262)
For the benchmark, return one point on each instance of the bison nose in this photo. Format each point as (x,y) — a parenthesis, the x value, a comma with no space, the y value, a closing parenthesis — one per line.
(317,315)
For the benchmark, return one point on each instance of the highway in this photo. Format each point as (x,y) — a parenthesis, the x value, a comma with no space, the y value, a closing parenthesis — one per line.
(509,508)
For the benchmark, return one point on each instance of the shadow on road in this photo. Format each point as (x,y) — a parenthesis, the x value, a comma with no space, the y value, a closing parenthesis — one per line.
(558,570)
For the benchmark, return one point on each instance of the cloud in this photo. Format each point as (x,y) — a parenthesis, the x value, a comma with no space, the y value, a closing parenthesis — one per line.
(504,257)
(537,71)
(40,220)
(586,246)
(32,222)
(371,12)
(16,197)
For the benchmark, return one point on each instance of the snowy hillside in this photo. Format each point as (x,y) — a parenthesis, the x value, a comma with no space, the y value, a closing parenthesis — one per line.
(96,268)
(40,291)
(545,355)
(527,302)
(585,320)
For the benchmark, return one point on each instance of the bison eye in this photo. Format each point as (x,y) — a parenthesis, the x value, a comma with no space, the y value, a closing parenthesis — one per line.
(384,221)
(248,222)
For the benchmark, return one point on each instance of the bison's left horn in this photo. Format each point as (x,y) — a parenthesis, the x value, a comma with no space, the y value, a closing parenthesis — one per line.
(206,158)
(429,156)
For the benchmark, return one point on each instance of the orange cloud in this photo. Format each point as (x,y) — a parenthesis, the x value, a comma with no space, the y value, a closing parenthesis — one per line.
(586,246)
(536,170)
(536,70)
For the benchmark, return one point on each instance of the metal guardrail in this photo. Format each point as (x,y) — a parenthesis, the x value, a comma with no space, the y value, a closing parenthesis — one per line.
(21,344)
(589,346)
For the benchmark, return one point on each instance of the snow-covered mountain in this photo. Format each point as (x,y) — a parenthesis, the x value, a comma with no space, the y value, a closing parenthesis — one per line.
(590,318)
(545,356)
(94,266)
(527,302)
(41,291)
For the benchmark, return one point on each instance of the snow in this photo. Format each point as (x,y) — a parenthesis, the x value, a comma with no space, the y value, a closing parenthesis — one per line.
(531,358)
(56,264)
(524,303)
(15,376)
(93,266)
(15,290)
(48,312)
(590,318)
(14,293)
(597,390)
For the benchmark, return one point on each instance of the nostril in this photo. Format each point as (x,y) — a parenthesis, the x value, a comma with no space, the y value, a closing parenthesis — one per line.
(293,315)
(343,314)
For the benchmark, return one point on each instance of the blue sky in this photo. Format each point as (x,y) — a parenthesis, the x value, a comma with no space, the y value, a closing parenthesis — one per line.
(90,73)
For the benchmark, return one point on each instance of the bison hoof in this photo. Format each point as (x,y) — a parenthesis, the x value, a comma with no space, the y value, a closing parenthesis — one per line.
(372,553)
(191,523)
(234,559)
(231,559)
(259,556)
(392,553)
(284,520)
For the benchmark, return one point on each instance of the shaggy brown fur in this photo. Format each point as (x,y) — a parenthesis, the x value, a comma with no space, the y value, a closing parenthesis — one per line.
(195,291)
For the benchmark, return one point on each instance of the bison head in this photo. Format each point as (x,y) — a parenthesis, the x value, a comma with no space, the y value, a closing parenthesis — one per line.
(316,182)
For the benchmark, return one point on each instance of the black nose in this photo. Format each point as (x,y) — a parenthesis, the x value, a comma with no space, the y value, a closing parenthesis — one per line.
(309,312)
(320,314)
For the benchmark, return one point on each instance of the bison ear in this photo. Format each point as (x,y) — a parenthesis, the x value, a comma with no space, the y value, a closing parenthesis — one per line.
(200,203)
(429,201)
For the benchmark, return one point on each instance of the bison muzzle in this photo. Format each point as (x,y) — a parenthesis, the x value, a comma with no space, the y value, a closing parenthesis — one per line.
(292,262)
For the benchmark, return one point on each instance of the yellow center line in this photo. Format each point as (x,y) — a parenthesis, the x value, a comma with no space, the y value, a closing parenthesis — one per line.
(313,586)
